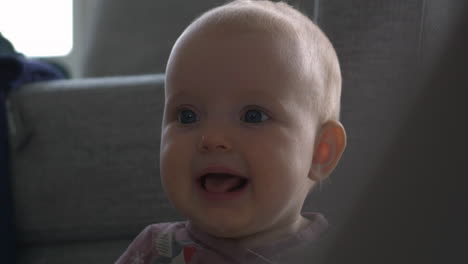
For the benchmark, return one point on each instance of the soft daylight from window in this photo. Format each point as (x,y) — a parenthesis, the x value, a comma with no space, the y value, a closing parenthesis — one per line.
(38,28)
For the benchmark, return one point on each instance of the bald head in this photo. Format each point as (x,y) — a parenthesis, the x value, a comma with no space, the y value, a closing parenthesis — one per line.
(301,45)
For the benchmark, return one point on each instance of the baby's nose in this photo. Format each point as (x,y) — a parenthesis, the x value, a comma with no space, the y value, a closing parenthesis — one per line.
(214,142)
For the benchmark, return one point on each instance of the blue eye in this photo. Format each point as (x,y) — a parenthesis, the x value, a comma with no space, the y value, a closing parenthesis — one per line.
(187,116)
(255,116)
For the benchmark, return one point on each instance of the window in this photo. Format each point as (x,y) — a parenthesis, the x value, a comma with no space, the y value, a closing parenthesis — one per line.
(38,28)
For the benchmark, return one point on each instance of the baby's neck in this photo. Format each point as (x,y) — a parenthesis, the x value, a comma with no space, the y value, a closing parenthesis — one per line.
(273,234)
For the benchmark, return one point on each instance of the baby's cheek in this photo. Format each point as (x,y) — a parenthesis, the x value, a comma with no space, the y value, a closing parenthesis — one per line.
(172,162)
(173,176)
(284,162)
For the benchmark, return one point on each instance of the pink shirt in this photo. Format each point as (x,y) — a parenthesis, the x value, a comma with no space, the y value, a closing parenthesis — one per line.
(183,243)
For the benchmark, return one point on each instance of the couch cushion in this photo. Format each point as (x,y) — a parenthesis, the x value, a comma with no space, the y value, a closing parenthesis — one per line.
(92,252)
(85,158)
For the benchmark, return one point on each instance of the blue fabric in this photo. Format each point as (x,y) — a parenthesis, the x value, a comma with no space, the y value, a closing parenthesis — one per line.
(15,71)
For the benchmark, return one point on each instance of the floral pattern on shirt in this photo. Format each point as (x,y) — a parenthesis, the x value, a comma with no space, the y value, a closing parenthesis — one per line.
(172,251)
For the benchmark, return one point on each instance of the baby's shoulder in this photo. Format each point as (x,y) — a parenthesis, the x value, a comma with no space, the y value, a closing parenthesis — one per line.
(171,240)
(158,242)
(169,233)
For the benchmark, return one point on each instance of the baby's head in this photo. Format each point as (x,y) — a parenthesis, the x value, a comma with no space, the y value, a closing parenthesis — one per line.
(252,90)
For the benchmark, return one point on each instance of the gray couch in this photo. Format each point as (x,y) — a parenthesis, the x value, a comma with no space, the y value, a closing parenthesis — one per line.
(85,167)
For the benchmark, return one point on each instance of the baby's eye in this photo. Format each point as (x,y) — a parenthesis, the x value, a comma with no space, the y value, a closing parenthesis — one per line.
(254,116)
(187,116)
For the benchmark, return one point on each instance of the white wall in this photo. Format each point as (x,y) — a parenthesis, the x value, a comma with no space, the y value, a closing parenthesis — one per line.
(84,12)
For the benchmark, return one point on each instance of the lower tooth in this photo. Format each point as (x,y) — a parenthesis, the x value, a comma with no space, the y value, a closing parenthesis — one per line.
(242,185)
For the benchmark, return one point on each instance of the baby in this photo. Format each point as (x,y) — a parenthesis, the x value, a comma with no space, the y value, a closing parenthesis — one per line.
(251,124)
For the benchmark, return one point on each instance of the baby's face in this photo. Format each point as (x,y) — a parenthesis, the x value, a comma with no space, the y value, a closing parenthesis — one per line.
(236,101)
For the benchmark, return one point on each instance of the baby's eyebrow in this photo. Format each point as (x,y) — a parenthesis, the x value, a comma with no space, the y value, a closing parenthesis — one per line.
(179,95)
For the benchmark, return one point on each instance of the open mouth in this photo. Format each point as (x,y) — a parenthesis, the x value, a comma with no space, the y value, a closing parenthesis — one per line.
(222,182)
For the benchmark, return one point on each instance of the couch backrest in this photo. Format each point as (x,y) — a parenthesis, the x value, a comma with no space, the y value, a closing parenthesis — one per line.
(85,158)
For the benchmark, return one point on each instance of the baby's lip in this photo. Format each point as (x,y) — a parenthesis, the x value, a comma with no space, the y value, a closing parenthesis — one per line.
(219,169)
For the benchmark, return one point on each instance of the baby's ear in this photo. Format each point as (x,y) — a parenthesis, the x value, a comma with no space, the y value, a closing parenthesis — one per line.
(329,146)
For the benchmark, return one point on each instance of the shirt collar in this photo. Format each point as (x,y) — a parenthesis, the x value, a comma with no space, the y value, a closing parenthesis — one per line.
(231,249)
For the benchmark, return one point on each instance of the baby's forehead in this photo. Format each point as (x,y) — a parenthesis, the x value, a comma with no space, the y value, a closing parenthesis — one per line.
(278,21)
